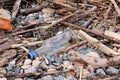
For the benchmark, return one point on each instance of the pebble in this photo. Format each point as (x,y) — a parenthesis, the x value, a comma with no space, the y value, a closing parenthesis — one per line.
(25,66)
(30,70)
(77,72)
(19,79)
(91,75)
(90,68)
(59,60)
(35,63)
(71,78)
(17,70)
(59,78)
(85,73)
(93,54)
(30,79)
(39,69)
(43,65)
(118,50)
(10,65)
(115,49)
(27,61)
(100,72)
(3,71)
(67,65)
(66,57)
(3,78)
(47,77)
(111,70)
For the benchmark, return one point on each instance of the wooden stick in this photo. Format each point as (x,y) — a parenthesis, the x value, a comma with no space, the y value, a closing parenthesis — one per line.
(97,44)
(116,6)
(34,9)
(112,34)
(95,32)
(95,62)
(16,8)
(81,70)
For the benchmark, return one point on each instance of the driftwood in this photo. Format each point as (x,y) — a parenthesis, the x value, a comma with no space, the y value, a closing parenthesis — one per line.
(98,44)
(112,34)
(95,32)
(96,62)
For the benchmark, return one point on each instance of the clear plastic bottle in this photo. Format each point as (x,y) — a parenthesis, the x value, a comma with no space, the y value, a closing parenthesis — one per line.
(55,44)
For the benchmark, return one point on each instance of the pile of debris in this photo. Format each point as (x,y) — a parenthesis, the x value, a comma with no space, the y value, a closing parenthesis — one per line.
(60,40)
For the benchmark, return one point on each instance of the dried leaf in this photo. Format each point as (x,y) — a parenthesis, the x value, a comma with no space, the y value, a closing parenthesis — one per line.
(5,24)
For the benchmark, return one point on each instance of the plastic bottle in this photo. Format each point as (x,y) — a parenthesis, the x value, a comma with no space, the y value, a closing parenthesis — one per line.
(55,44)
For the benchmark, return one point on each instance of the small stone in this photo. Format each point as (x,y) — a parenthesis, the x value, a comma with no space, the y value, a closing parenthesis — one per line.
(77,72)
(91,75)
(66,57)
(3,78)
(21,71)
(118,50)
(3,71)
(67,65)
(19,79)
(10,65)
(85,73)
(35,63)
(27,61)
(100,72)
(59,60)
(30,70)
(43,65)
(93,54)
(111,70)
(17,70)
(47,77)
(25,66)
(90,68)
(39,69)
(115,49)
(71,78)
(30,79)
(59,78)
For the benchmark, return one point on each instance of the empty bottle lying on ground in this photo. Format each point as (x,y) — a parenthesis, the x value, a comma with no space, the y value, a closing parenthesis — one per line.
(55,44)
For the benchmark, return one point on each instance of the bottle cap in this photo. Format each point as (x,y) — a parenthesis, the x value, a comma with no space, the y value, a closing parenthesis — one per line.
(32,54)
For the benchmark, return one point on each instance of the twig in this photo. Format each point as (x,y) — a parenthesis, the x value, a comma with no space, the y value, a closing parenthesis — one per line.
(47,26)
(81,69)
(16,8)
(34,9)
(116,6)
(95,32)
(112,35)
